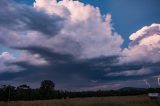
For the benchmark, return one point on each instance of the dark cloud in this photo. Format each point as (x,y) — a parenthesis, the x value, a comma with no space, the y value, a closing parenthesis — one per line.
(69,73)
(23,18)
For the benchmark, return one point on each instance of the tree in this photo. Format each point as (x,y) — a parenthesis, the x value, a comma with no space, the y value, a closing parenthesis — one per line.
(47,88)
(7,92)
(23,92)
(23,87)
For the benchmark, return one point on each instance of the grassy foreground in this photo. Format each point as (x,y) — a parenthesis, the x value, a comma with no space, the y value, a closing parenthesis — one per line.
(95,101)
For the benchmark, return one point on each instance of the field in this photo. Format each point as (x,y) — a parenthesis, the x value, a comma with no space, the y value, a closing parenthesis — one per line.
(95,101)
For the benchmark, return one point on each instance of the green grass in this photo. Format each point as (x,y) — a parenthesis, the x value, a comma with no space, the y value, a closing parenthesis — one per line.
(95,101)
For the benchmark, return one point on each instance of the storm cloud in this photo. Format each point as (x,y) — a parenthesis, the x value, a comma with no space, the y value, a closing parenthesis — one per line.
(74,45)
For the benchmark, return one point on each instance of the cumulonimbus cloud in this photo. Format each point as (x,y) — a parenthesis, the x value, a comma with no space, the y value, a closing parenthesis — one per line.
(71,37)
(85,32)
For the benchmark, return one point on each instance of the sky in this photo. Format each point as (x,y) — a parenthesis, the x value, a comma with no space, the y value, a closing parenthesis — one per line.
(80,45)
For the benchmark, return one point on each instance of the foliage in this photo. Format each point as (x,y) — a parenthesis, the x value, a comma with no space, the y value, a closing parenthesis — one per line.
(47,91)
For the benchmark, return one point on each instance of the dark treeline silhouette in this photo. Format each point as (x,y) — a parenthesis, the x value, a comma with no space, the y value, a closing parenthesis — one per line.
(47,91)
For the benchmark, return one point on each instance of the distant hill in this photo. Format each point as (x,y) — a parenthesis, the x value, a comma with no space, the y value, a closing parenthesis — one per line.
(131,88)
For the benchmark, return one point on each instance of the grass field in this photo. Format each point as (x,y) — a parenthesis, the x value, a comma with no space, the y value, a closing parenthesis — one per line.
(95,101)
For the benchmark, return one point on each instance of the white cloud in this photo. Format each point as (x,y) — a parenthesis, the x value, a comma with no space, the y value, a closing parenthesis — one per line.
(33,59)
(5,63)
(85,34)
(8,60)
(6,56)
(145,31)
(144,47)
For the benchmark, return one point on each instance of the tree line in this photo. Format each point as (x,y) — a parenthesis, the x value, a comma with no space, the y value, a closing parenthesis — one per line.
(47,91)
